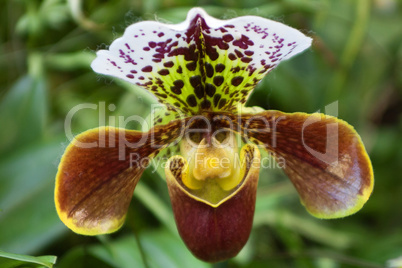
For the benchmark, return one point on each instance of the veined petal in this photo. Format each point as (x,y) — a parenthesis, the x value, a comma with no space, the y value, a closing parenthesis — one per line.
(99,171)
(203,63)
(323,156)
(215,231)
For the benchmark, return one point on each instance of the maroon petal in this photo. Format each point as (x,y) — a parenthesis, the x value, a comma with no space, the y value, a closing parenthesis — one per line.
(323,156)
(99,171)
(215,232)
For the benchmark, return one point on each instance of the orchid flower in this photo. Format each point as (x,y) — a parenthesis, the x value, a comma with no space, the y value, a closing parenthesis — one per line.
(202,71)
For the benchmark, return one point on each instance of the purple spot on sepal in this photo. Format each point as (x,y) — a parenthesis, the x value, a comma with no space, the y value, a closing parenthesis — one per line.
(244,42)
(246,59)
(249,52)
(227,38)
(163,72)
(147,69)
(238,53)
(232,56)
(168,64)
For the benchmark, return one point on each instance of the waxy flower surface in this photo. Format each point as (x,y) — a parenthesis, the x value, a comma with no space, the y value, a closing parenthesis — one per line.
(202,71)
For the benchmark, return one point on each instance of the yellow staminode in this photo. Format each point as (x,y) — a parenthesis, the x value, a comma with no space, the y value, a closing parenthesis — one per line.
(212,191)
(214,163)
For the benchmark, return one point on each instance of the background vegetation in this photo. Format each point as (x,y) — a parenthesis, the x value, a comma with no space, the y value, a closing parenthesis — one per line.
(46,49)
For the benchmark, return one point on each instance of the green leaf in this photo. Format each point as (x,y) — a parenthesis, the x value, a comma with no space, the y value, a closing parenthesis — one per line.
(28,219)
(22,114)
(79,257)
(161,249)
(152,249)
(308,227)
(120,253)
(10,260)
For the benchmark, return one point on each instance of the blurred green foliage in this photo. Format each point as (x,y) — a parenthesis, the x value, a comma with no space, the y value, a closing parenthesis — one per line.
(46,49)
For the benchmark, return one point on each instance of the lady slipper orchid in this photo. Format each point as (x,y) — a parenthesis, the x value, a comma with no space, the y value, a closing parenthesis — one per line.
(202,71)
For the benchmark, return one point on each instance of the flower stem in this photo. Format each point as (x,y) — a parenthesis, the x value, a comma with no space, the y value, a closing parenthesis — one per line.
(141,249)
(352,48)
(156,206)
